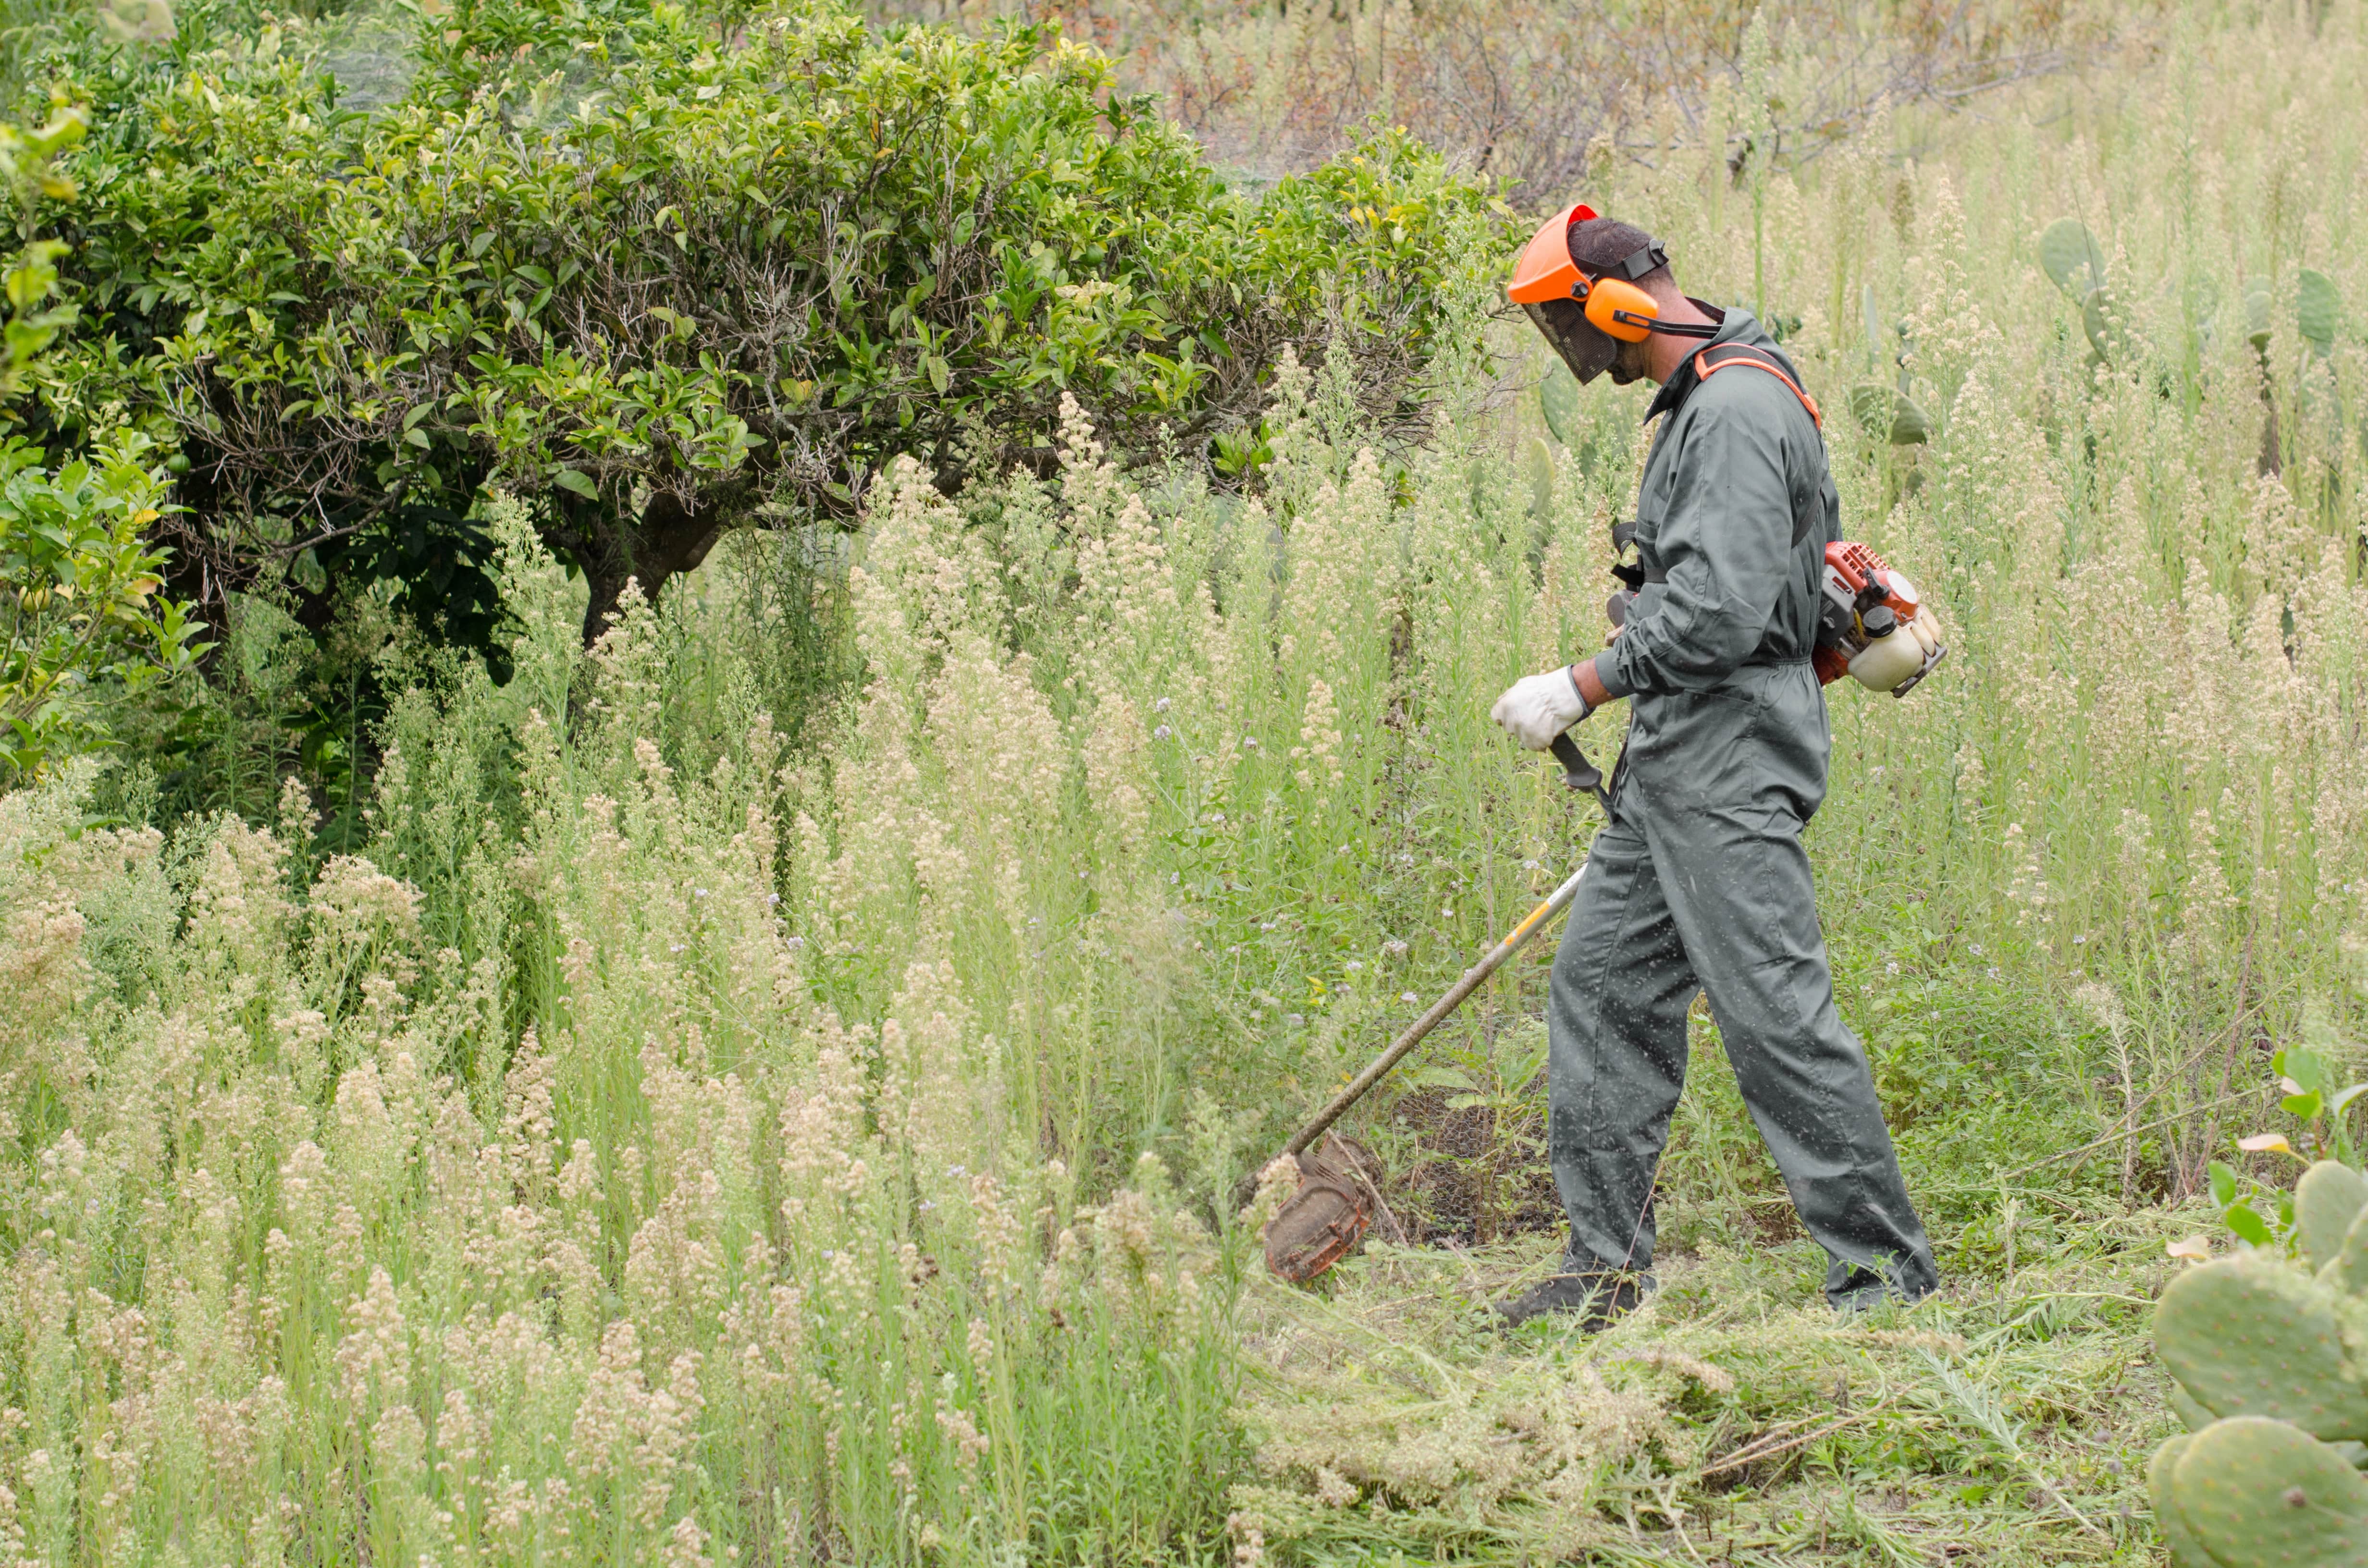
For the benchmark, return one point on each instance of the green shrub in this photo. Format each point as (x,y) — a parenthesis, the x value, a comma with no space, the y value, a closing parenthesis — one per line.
(80,604)
(77,575)
(681,279)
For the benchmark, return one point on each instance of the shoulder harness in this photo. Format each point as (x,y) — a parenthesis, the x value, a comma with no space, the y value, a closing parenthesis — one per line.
(1734,354)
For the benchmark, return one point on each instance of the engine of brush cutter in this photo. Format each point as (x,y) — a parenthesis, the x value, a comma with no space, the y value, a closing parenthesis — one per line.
(1872,624)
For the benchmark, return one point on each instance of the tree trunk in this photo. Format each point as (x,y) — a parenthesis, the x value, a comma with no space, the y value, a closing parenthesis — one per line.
(668,538)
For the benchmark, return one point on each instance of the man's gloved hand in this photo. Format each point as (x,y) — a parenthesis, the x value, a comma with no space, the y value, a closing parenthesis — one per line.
(1536,708)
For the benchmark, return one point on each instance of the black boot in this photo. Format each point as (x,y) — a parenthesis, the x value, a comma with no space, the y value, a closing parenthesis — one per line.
(1597,1297)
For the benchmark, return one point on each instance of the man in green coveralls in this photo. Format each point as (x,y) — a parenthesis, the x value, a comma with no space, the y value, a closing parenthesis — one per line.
(1699,880)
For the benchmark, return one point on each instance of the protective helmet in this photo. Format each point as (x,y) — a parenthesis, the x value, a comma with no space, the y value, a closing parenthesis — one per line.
(1546,271)
(1587,312)
(1546,286)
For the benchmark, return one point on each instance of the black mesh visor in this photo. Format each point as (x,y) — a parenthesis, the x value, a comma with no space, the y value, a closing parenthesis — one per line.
(1585,347)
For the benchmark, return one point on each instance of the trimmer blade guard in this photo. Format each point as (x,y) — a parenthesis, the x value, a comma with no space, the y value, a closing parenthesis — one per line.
(1327,1217)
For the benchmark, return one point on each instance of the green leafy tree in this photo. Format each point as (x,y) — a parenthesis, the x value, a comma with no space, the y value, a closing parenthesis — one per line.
(28,173)
(663,272)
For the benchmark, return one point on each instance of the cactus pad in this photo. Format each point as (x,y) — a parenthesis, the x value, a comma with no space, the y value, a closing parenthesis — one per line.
(2251,1337)
(1540,465)
(2100,318)
(2069,253)
(2186,1552)
(1870,407)
(2328,1198)
(2318,311)
(1558,401)
(2253,1491)
(2348,1272)
(1889,415)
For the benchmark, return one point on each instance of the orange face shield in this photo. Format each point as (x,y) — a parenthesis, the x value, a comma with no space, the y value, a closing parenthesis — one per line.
(1546,271)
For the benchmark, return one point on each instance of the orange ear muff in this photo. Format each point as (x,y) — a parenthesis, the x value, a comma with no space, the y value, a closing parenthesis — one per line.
(1620,308)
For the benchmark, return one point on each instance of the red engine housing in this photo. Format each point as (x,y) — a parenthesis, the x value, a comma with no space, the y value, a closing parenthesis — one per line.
(1855,580)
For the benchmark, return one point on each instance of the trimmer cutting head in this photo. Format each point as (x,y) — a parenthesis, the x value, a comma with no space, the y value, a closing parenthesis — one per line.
(1337,1200)
(1329,1214)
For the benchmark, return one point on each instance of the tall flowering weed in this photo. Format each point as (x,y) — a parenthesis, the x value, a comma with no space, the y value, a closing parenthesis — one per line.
(587,1198)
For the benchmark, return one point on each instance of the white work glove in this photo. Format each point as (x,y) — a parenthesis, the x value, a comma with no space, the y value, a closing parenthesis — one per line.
(1536,708)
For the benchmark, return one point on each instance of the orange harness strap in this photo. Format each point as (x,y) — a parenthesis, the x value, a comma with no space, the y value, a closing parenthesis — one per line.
(1745,354)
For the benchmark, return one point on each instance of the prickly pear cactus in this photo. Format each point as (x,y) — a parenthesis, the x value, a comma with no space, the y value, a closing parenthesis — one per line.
(1540,465)
(2076,263)
(2348,1273)
(2255,1337)
(2108,330)
(2186,1552)
(2271,1363)
(2327,1199)
(1889,415)
(2257,317)
(2318,311)
(1558,401)
(2253,1490)
(2072,258)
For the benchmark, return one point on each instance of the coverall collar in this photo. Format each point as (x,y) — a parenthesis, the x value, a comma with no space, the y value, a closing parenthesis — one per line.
(1735,325)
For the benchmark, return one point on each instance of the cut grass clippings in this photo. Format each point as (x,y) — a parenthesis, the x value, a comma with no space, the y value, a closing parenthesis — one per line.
(1734,1419)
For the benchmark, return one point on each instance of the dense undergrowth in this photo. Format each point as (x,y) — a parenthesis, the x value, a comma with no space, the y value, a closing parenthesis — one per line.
(764,1089)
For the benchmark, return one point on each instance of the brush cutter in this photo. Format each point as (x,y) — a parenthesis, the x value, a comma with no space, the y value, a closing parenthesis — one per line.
(1335,1204)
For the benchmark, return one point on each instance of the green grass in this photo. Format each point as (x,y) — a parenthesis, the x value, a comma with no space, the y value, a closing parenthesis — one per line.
(1888,1438)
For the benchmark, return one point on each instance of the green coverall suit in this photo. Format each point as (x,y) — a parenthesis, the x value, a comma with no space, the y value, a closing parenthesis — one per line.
(1699,880)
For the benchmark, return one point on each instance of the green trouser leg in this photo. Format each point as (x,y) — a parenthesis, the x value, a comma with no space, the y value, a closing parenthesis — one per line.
(1705,896)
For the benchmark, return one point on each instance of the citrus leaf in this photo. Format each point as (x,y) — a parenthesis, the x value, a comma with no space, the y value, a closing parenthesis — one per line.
(2249,1225)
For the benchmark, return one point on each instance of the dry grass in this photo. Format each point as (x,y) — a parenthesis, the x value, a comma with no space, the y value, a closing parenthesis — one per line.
(1531,92)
